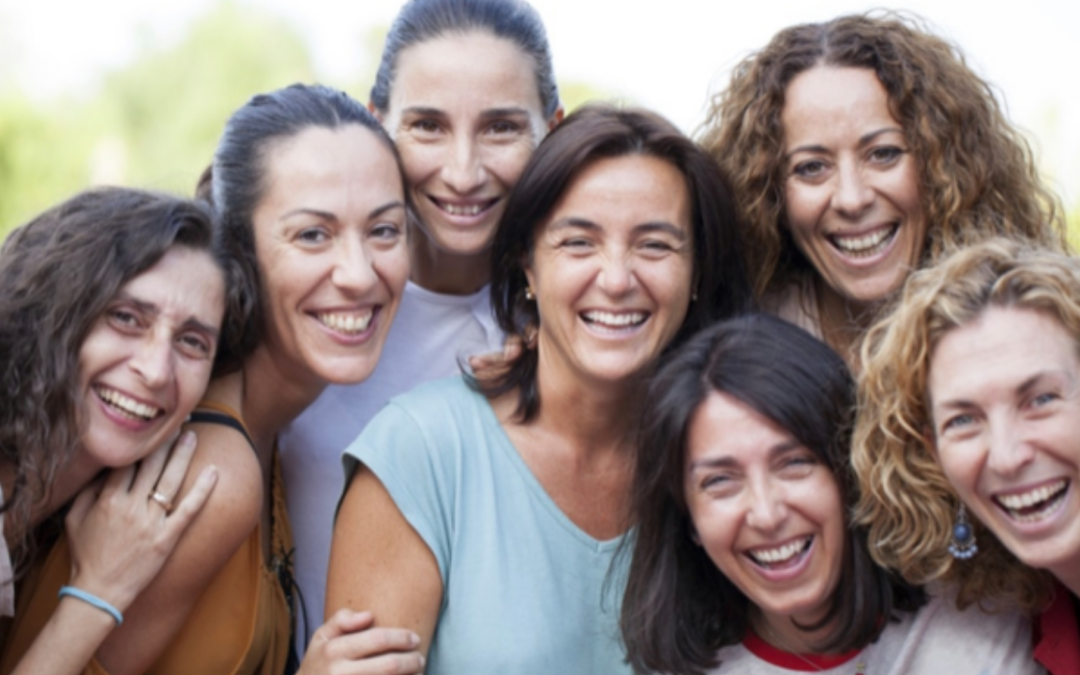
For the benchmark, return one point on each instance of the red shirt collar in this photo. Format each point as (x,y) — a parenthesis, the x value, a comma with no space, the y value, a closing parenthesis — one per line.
(777,657)
(1057,636)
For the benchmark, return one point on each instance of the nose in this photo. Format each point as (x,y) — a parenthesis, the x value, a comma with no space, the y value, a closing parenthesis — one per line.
(152,360)
(853,193)
(354,269)
(616,276)
(464,170)
(1010,451)
(767,510)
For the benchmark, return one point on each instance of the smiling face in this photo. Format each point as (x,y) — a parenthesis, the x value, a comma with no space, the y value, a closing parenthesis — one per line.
(1005,392)
(767,511)
(330,242)
(851,189)
(465,114)
(611,269)
(146,361)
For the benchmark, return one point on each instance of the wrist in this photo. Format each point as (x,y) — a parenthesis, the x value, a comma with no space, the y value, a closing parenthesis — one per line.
(93,601)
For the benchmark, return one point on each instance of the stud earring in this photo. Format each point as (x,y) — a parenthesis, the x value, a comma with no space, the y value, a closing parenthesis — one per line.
(529,293)
(963,537)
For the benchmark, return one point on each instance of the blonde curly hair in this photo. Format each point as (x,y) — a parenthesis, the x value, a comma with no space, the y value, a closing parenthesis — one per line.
(906,500)
(977,174)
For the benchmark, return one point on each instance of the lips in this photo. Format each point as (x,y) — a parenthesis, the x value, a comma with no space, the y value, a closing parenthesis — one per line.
(1033,505)
(780,557)
(865,245)
(125,406)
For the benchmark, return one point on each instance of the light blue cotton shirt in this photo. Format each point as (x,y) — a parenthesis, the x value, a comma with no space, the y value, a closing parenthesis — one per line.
(524,589)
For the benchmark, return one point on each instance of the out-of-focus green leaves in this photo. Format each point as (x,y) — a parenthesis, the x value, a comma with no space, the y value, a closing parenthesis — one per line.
(152,124)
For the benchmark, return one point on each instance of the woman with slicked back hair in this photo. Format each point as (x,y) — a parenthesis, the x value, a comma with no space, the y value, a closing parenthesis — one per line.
(466,90)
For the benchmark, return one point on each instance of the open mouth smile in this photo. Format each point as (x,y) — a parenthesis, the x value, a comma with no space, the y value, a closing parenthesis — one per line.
(780,557)
(469,210)
(865,245)
(614,321)
(125,406)
(347,323)
(1033,505)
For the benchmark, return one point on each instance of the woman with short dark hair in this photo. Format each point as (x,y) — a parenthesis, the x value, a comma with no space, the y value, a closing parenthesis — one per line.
(745,558)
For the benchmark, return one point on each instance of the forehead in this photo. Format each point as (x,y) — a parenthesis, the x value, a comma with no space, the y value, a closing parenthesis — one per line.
(184,283)
(475,69)
(629,187)
(1000,349)
(350,161)
(840,100)
(724,426)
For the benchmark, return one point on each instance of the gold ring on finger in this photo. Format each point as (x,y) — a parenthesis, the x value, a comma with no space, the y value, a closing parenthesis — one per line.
(161,499)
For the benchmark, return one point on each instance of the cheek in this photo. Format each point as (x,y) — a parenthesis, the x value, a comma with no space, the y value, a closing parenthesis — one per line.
(508,162)
(393,267)
(419,161)
(801,209)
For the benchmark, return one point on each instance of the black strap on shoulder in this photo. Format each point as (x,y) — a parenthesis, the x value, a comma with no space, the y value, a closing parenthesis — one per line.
(211,417)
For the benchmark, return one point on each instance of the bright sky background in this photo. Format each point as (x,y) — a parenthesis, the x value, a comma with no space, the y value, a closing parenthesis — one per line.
(665,55)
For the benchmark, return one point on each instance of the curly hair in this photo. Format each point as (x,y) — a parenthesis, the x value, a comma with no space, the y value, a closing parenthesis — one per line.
(679,608)
(58,273)
(977,173)
(906,500)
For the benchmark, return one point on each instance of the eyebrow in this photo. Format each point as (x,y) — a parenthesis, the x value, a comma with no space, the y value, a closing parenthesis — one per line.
(425,111)
(727,461)
(652,226)
(326,215)
(150,308)
(865,139)
(1023,388)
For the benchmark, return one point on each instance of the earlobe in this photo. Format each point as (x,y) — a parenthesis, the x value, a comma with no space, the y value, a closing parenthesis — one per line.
(555,119)
(375,112)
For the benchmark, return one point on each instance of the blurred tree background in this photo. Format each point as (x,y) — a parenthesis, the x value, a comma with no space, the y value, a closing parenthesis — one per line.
(155,122)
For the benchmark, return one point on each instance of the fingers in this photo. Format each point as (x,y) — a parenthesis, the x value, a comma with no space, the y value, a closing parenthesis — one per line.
(191,504)
(172,476)
(347,643)
(150,468)
(343,622)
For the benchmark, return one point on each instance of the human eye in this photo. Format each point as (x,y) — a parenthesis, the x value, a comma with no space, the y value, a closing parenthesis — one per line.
(885,154)
(504,127)
(425,126)
(798,463)
(122,317)
(312,236)
(575,244)
(195,345)
(957,423)
(1043,399)
(385,231)
(811,168)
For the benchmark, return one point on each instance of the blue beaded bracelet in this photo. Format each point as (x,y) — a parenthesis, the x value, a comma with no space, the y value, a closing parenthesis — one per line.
(93,600)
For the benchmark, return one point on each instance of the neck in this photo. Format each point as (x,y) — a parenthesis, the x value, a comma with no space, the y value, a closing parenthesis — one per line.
(273,397)
(597,415)
(843,322)
(781,631)
(447,273)
(69,480)
(1069,575)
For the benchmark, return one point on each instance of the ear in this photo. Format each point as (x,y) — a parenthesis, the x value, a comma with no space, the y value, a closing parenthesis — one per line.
(554,120)
(375,112)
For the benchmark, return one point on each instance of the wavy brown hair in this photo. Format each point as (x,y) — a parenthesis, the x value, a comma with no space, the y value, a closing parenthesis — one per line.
(977,173)
(58,273)
(907,501)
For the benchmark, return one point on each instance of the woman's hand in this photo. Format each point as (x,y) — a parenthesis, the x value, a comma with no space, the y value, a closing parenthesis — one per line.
(348,643)
(119,536)
(511,350)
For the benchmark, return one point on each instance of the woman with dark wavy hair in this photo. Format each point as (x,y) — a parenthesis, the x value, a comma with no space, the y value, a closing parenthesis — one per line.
(862,148)
(746,558)
(110,309)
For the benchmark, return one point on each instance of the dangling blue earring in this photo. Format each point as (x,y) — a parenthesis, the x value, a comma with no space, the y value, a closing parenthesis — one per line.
(963,537)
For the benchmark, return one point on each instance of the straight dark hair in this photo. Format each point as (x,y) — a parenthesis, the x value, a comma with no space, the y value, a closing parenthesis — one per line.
(590,134)
(679,609)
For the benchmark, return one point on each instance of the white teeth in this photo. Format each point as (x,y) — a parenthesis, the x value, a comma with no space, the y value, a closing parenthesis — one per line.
(867,244)
(782,554)
(456,210)
(346,323)
(1048,496)
(615,320)
(127,406)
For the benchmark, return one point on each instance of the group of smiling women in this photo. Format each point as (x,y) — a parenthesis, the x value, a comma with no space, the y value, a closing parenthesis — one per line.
(802,397)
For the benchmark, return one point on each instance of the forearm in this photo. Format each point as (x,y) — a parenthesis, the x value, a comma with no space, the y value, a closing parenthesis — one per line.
(69,640)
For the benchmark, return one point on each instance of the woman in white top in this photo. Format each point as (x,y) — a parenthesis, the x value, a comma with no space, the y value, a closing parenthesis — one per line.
(746,560)
(466,90)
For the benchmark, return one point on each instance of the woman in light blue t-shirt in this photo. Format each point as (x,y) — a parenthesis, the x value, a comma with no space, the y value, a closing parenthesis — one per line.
(483,512)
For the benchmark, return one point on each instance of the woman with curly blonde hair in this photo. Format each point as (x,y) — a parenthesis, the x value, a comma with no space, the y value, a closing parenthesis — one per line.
(862,148)
(967,443)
